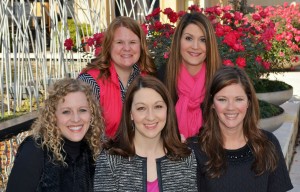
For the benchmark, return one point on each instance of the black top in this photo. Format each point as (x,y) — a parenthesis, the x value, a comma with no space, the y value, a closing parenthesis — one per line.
(239,176)
(34,171)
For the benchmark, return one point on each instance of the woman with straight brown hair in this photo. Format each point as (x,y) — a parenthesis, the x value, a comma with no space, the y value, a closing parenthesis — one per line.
(146,153)
(193,60)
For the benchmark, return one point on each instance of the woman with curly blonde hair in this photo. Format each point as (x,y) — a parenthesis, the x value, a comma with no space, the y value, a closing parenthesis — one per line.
(60,153)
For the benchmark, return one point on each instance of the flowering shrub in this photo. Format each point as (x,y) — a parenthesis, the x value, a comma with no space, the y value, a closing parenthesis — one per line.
(93,43)
(259,42)
(159,34)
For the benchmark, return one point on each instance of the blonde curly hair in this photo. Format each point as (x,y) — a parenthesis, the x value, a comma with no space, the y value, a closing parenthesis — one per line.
(49,135)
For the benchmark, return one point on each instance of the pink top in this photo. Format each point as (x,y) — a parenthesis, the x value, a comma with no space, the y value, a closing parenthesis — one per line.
(152,186)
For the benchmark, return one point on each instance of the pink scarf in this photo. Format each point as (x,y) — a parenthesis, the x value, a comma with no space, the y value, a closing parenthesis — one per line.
(110,99)
(191,93)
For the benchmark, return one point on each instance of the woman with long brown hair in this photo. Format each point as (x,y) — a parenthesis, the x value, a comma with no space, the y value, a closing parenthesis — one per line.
(146,153)
(233,153)
(193,60)
(124,56)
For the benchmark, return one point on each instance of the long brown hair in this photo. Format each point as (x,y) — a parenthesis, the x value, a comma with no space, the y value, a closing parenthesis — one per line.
(123,143)
(102,62)
(213,59)
(211,141)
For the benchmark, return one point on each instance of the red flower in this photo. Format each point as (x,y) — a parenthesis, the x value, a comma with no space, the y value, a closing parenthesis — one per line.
(227,16)
(98,51)
(167,11)
(194,8)
(145,29)
(181,13)
(68,44)
(98,38)
(241,62)
(266,65)
(258,59)
(173,17)
(256,17)
(227,62)
(238,16)
(155,12)
(230,38)
(90,41)
(158,26)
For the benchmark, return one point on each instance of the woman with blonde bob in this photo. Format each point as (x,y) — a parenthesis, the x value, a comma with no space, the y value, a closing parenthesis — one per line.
(146,154)
(60,153)
(233,153)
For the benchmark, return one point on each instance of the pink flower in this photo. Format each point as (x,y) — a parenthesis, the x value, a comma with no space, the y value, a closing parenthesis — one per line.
(166,55)
(281,54)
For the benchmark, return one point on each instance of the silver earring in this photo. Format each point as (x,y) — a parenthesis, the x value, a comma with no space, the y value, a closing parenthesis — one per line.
(132,125)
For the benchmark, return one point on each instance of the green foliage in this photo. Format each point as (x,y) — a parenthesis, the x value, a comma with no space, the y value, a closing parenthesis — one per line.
(83,29)
(25,108)
(11,116)
(269,110)
(266,85)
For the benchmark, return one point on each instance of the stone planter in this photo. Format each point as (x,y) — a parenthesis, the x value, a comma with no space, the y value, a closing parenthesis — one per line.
(277,97)
(271,123)
(17,125)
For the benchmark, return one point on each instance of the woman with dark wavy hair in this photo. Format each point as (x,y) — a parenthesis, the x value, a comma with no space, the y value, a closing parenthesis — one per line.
(60,153)
(146,154)
(233,153)
(124,56)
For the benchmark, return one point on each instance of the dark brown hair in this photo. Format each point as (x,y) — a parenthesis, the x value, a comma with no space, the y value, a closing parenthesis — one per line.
(123,143)
(211,141)
(213,59)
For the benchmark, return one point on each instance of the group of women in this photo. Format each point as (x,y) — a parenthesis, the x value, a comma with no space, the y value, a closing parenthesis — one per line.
(193,127)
